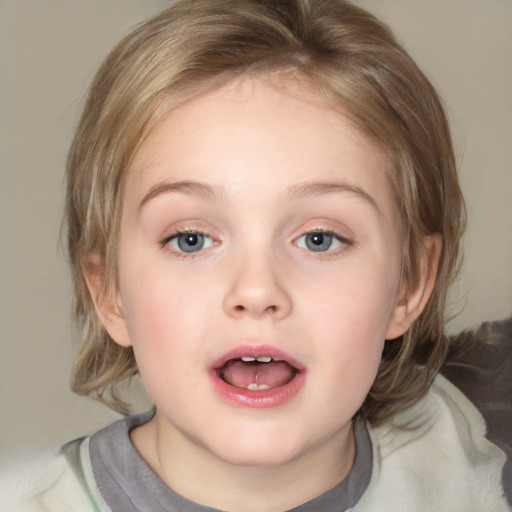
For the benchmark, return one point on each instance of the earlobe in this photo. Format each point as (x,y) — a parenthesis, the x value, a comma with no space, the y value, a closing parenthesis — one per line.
(107,303)
(411,302)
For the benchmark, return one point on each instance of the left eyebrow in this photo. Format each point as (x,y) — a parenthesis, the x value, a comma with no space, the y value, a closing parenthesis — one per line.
(321,188)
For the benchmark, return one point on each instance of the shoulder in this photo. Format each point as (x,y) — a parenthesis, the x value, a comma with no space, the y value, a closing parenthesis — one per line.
(480,365)
(445,415)
(52,481)
(436,453)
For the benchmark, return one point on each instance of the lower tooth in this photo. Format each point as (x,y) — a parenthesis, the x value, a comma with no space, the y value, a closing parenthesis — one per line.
(256,387)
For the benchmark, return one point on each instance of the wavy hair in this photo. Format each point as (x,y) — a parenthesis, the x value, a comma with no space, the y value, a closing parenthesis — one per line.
(356,65)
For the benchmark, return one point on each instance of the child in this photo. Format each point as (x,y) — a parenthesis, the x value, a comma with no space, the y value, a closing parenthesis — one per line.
(263,221)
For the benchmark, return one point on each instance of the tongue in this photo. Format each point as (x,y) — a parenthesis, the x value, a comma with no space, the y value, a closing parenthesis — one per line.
(273,374)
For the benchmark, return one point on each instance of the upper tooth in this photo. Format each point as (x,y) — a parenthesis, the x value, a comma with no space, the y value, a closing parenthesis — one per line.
(248,359)
(264,359)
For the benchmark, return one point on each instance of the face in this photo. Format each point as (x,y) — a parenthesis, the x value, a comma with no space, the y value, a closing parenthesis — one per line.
(259,266)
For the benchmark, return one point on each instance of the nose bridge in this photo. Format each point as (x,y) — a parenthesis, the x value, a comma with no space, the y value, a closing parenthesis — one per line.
(257,286)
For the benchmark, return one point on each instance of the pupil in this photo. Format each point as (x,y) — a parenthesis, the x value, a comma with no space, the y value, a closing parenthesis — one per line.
(191,242)
(317,238)
(191,239)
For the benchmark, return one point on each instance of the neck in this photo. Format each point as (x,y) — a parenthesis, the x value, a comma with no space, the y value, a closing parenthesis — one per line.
(181,464)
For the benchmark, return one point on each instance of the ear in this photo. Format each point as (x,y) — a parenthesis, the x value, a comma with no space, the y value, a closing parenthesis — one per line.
(411,302)
(108,305)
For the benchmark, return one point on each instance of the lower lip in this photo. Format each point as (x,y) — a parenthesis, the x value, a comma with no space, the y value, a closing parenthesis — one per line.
(267,398)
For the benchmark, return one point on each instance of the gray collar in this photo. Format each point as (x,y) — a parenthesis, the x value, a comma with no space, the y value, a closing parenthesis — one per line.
(128,484)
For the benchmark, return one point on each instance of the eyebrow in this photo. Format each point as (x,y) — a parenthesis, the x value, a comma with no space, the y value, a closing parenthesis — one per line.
(321,188)
(295,192)
(195,188)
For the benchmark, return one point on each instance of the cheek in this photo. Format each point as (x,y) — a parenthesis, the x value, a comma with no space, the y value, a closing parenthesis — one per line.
(358,301)
(152,309)
(149,313)
(349,316)
(154,301)
(164,329)
(152,314)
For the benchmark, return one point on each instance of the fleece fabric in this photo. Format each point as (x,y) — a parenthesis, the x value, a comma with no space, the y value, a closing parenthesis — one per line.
(433,457)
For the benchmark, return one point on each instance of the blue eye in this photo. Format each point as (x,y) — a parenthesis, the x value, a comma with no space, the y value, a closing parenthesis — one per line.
(320,241)
(189,242)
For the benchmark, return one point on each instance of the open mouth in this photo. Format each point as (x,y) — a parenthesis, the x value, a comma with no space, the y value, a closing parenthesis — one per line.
(257,373)
(257,377)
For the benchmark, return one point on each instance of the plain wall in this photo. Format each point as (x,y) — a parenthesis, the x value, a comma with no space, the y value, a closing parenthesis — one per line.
(49,51)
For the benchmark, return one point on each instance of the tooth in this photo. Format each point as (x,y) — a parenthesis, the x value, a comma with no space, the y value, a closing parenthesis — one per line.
(264,359)
(247,359)
(256,387)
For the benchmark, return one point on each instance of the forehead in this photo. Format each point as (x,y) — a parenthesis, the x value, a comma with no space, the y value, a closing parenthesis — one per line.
(273,123)
(259,135)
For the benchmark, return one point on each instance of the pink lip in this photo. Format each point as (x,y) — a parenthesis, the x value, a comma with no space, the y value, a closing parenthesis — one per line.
(267,398)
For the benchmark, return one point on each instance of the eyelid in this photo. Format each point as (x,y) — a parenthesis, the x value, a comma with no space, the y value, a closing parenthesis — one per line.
(339,234)
(184,226)
(183,231)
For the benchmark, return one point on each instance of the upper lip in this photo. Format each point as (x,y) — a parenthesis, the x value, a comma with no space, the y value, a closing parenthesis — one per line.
(252,350)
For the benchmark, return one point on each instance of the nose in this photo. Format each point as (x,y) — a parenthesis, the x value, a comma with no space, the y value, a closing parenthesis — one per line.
(255,290)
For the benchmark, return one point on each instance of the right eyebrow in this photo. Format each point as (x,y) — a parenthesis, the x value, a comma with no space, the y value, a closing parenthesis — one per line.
(195,188)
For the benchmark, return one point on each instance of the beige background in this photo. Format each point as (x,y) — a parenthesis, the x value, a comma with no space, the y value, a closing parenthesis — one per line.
(49,50)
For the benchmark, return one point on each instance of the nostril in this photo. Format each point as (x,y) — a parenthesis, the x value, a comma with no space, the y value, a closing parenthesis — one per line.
(269,309)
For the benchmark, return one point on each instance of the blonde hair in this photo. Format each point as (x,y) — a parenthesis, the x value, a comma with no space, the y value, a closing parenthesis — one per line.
(354,62)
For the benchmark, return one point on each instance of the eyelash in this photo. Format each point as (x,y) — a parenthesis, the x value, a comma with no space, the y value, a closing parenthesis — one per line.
(345,243)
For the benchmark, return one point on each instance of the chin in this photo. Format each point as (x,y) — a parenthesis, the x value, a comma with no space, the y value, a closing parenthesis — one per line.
(259,453)
(256,458)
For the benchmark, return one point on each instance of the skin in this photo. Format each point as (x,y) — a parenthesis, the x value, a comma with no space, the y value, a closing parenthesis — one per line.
(263,167)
